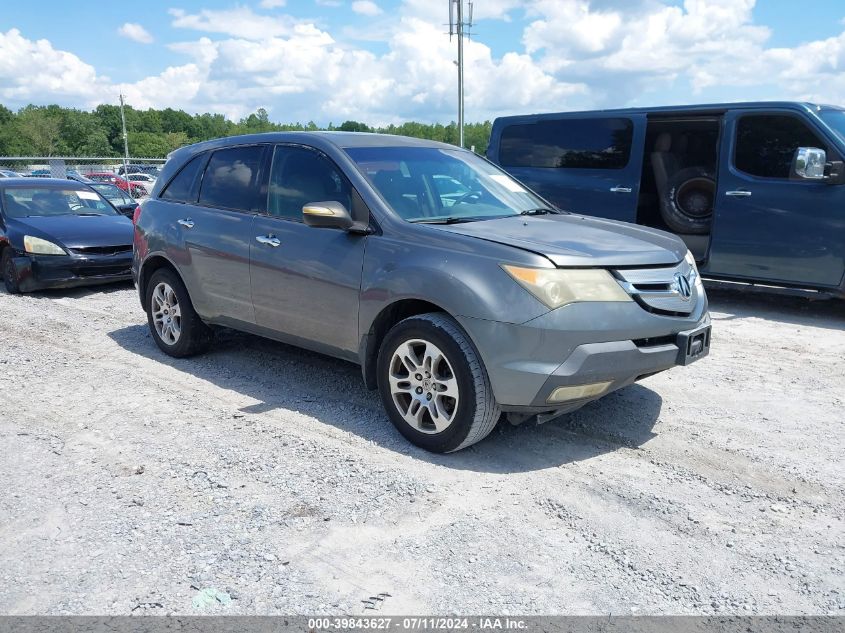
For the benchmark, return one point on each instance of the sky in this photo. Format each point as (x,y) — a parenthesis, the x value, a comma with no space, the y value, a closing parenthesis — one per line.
(388,61)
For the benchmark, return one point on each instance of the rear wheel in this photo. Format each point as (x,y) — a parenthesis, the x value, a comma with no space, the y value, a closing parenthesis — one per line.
(433,384)
(175,326)
(10,272)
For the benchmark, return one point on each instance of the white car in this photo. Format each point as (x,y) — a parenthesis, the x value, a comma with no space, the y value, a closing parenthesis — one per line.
(145,180)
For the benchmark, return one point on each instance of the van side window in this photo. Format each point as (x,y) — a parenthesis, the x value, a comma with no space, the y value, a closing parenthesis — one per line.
(766,143)
(231,178)
(183,187)
(570,143)
(299,176)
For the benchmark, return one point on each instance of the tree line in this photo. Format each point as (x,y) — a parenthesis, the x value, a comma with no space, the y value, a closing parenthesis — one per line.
(53,130)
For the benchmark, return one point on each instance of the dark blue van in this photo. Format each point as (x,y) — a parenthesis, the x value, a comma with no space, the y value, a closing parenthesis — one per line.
(756,190)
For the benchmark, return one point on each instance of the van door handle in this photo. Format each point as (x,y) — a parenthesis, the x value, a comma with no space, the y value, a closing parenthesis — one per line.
(270,240)
(618,189)
(188,223)
(739,193)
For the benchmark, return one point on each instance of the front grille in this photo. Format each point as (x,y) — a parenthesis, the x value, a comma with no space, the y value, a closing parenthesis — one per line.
(103,250)
(102,271)
(661,290)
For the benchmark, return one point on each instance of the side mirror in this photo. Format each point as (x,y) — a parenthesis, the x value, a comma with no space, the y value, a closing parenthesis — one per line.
(808,163)
(327,215)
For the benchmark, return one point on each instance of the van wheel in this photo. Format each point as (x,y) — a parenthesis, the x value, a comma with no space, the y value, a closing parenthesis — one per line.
(10,272)
(175,326)
(433,384)
(688,207)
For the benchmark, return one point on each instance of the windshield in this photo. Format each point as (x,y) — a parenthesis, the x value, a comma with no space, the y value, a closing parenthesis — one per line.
(46,202)
(112,193)
(429,184)
(835,120)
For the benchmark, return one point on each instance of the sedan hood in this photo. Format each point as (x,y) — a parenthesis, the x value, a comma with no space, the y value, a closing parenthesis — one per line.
(80,231)
(576,240)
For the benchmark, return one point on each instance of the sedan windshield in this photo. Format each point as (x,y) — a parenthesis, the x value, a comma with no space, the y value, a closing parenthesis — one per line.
(112,193)
(429,184)
(47,202)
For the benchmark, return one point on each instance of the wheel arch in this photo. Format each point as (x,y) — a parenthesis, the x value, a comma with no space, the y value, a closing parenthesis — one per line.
(148,268)
(389,316)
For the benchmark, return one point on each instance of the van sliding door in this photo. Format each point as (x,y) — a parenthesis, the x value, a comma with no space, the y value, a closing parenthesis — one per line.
(585,164)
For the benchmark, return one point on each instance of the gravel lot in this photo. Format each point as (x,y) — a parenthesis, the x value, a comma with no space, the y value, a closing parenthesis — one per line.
(264,479)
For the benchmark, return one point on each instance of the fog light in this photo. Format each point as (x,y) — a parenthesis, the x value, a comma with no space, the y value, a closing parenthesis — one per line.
(576,392)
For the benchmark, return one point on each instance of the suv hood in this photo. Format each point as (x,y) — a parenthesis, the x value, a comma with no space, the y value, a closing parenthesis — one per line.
(576,240)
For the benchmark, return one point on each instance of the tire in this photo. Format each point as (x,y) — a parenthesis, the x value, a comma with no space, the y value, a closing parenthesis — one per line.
(175,326)
(10,273)
(688,205)
(467,417)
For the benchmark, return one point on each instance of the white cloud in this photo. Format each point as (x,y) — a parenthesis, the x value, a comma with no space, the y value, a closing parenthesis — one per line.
(366,7)
(135,31)
(272,4)
(574,54)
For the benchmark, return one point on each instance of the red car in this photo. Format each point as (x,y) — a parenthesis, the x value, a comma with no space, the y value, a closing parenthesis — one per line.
(138,191)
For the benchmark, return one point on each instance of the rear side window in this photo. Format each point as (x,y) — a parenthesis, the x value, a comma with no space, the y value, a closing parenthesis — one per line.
(231,178)
(183,187)
(569,143)
(765,144)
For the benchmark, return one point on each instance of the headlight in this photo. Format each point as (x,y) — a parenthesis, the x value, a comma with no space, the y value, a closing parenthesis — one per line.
(558,287)
(37,246)
(695,278)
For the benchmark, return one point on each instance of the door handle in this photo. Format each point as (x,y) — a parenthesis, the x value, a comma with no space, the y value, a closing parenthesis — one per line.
(270,240)
(739,193)
(187,223)
(618,189)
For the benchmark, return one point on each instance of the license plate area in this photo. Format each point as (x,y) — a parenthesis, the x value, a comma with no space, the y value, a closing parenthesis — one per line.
(693,345)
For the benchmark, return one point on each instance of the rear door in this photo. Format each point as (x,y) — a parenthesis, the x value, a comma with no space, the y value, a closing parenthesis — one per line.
(216,232)
(768,227)
(585,164)
(306,281)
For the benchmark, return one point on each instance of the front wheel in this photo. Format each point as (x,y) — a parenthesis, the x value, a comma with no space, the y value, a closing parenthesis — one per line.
(433,384)
(10,272)
(175,326)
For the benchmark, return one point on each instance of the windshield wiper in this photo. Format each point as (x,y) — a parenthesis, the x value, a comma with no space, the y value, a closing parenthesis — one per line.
(540,211)
(452,219)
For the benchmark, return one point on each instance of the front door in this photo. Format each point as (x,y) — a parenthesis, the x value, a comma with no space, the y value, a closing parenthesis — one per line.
(586,164)
(768,227)
(306,281)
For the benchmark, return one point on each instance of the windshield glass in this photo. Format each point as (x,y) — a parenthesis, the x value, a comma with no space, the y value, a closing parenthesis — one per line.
(429,184)
(112,193)
(835,119)
(46,202)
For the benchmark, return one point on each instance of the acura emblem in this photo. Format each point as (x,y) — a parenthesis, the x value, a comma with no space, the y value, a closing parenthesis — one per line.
(681,285)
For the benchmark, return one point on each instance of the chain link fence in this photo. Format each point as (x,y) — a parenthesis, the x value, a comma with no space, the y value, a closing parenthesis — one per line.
(142,172)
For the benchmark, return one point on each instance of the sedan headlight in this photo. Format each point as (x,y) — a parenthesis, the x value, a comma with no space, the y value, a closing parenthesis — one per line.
(37,246)
(557,287)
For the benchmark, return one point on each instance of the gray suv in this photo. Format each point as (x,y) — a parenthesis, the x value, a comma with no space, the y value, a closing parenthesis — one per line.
(461,294)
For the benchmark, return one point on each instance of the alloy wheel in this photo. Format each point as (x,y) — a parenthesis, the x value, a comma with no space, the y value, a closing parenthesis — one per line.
(423,386)
(167,315)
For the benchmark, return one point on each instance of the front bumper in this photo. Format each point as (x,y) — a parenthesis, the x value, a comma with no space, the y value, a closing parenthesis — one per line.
(39,272)
(582,344)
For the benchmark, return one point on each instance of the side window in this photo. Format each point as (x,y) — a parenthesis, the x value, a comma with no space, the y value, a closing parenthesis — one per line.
(299,176)
(231,178)
(766,143)
(570,143)
(182,187)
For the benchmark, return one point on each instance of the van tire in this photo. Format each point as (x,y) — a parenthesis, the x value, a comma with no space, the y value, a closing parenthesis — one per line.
(476,412)
(687,207)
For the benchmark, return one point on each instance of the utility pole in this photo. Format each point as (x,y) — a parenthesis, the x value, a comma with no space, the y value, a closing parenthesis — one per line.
(125,148)
(461,29)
